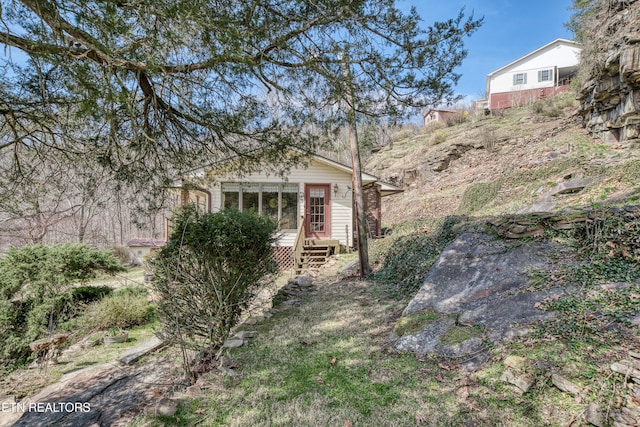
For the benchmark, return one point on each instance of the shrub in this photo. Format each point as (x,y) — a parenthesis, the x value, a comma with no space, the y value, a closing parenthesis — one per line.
(458,118)
(488,139)
(87,294)
(403,133)
(36,291)
(206,273)
(553,106)
(127,307)
(433,126)
(122,253)
(438,137)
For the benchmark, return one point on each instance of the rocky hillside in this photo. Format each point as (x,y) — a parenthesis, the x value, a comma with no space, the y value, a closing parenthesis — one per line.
(534,158)
(610,69)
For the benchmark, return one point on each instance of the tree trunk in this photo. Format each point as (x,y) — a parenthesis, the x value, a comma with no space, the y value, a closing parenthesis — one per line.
(358,193)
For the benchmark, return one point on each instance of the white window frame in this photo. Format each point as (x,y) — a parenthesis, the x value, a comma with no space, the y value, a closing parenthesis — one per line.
(260,188)
(545,75)
(519,79)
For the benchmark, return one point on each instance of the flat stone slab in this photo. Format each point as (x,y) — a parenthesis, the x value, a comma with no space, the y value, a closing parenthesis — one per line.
(102,395)
(134,354)
(480,281)
(572,186)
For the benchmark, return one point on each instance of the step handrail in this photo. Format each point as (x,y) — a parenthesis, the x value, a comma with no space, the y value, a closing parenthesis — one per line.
(298,246)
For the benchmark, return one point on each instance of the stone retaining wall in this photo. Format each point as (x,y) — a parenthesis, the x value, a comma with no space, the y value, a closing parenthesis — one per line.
(535,224)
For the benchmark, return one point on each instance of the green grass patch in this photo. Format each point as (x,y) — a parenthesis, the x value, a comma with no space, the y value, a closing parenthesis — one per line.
(459,334)
(415,322)
(478,195)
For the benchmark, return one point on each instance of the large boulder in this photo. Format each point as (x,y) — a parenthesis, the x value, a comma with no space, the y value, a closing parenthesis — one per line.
(479,286)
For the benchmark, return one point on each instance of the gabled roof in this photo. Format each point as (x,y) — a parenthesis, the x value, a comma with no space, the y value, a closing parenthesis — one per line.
(386,189)
(441,110)
(535,52)
(145,242)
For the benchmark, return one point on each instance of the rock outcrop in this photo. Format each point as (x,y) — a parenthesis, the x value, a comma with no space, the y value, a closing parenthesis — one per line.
(628,415)
(476,291)
(610,97)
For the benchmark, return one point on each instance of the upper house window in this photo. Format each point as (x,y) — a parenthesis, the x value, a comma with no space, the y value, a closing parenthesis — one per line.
(545,75)
(520,79)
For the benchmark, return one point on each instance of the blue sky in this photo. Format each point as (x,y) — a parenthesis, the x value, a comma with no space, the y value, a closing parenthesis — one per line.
(511,29)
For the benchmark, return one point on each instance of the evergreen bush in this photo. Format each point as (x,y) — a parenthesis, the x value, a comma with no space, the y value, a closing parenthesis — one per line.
(37,290)
(206,273)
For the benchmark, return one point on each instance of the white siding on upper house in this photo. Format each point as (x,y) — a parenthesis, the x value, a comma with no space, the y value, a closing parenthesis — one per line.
(558,54)
(316,173)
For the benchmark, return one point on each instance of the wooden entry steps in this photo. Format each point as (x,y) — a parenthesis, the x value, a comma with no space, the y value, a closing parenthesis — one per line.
(315,253)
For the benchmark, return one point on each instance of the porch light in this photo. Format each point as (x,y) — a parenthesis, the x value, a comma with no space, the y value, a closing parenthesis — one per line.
(335,190)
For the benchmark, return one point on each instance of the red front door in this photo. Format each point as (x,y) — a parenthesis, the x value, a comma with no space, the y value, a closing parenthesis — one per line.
(317,210)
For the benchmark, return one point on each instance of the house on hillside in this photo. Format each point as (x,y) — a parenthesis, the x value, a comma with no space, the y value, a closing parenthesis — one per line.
(544,72)
(434,115)
(313,204)
(141,247)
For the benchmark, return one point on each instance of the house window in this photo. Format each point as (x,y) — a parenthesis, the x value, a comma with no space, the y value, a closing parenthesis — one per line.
(279,201)
(250,198)
(289,214)
(231,195)
(545,75)
(520,79)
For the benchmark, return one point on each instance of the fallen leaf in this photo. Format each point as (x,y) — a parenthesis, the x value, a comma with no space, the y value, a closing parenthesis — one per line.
(473,406)
(439,378)
(333,361)
(348,423)
(463,392)
(445,366)
(320,380)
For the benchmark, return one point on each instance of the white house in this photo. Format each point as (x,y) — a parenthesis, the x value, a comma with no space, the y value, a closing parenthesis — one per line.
(314,201)
(546,71)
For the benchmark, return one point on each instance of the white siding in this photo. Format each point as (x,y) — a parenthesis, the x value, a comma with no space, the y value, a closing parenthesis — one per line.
(558,56)
(316,173)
